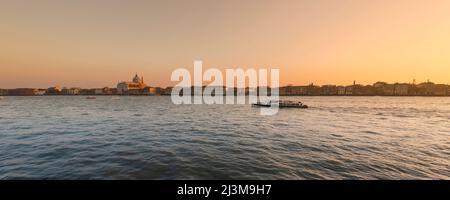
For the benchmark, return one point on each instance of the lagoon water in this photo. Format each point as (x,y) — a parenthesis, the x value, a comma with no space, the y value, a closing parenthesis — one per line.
(71,137)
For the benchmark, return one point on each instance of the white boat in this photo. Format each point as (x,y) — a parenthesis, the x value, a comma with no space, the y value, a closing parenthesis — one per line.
(281,104)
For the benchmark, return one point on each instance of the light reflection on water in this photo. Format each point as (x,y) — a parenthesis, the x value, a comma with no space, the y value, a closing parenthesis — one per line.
(150,138)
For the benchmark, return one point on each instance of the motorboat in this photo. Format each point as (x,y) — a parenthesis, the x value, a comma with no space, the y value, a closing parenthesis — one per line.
(91,97)
(281,104)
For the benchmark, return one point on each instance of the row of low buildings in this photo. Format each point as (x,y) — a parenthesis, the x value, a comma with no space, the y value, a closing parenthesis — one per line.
(138,87)
(377,89)
(80,91)
(22,92)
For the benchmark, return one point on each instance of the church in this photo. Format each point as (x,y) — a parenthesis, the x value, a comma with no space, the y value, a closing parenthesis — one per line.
(124,88)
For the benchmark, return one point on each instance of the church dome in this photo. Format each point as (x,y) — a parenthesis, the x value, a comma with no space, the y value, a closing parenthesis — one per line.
(136,79)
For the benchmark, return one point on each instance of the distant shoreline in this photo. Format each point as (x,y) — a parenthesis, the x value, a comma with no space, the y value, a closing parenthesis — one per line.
(138,88)
(82,95)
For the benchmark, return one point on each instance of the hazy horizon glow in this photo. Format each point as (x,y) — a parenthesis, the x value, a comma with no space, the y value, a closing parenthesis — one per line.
(98,43)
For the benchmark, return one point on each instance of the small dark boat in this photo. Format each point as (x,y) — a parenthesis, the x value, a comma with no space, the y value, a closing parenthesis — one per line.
(91,97)
(261,104)
(281,104)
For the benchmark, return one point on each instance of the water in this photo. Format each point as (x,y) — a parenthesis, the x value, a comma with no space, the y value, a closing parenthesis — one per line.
(150,138)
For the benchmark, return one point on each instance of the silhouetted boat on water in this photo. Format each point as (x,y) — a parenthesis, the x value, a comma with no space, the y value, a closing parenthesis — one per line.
(90,97)
(281,104)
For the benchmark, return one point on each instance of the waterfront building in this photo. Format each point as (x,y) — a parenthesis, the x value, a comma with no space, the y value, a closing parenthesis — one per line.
(149,91)
(356,90)
(39,92)
(293,90)
(87,91)
(284,91)
(103,91)
(428,89)
(388,90)
(137,84)
(145,91)
(70,91)
(364,90)
(74,91)
(349,90)
(439,90)
(168,91)
(379,84)
(413,90)
(112,91)
(340,90)
(299,90)
(384,89)
(312,90)
(98,91)
(401,89)
(64,91)
(328,90)
(23,92)
(3,92)
(53,91)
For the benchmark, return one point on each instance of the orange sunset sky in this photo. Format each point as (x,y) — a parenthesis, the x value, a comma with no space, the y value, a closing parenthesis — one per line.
(97,43)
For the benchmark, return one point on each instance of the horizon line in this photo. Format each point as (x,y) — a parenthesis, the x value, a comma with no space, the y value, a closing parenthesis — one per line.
(287,85)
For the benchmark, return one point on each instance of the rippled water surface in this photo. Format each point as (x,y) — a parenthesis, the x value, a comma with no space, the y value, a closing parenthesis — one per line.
(150,138)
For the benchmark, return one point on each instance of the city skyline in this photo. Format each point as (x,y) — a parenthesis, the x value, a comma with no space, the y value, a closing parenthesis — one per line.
(95,44)
(137,86)
(206,83)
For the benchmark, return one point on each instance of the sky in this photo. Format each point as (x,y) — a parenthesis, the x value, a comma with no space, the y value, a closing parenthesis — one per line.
(78,43)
